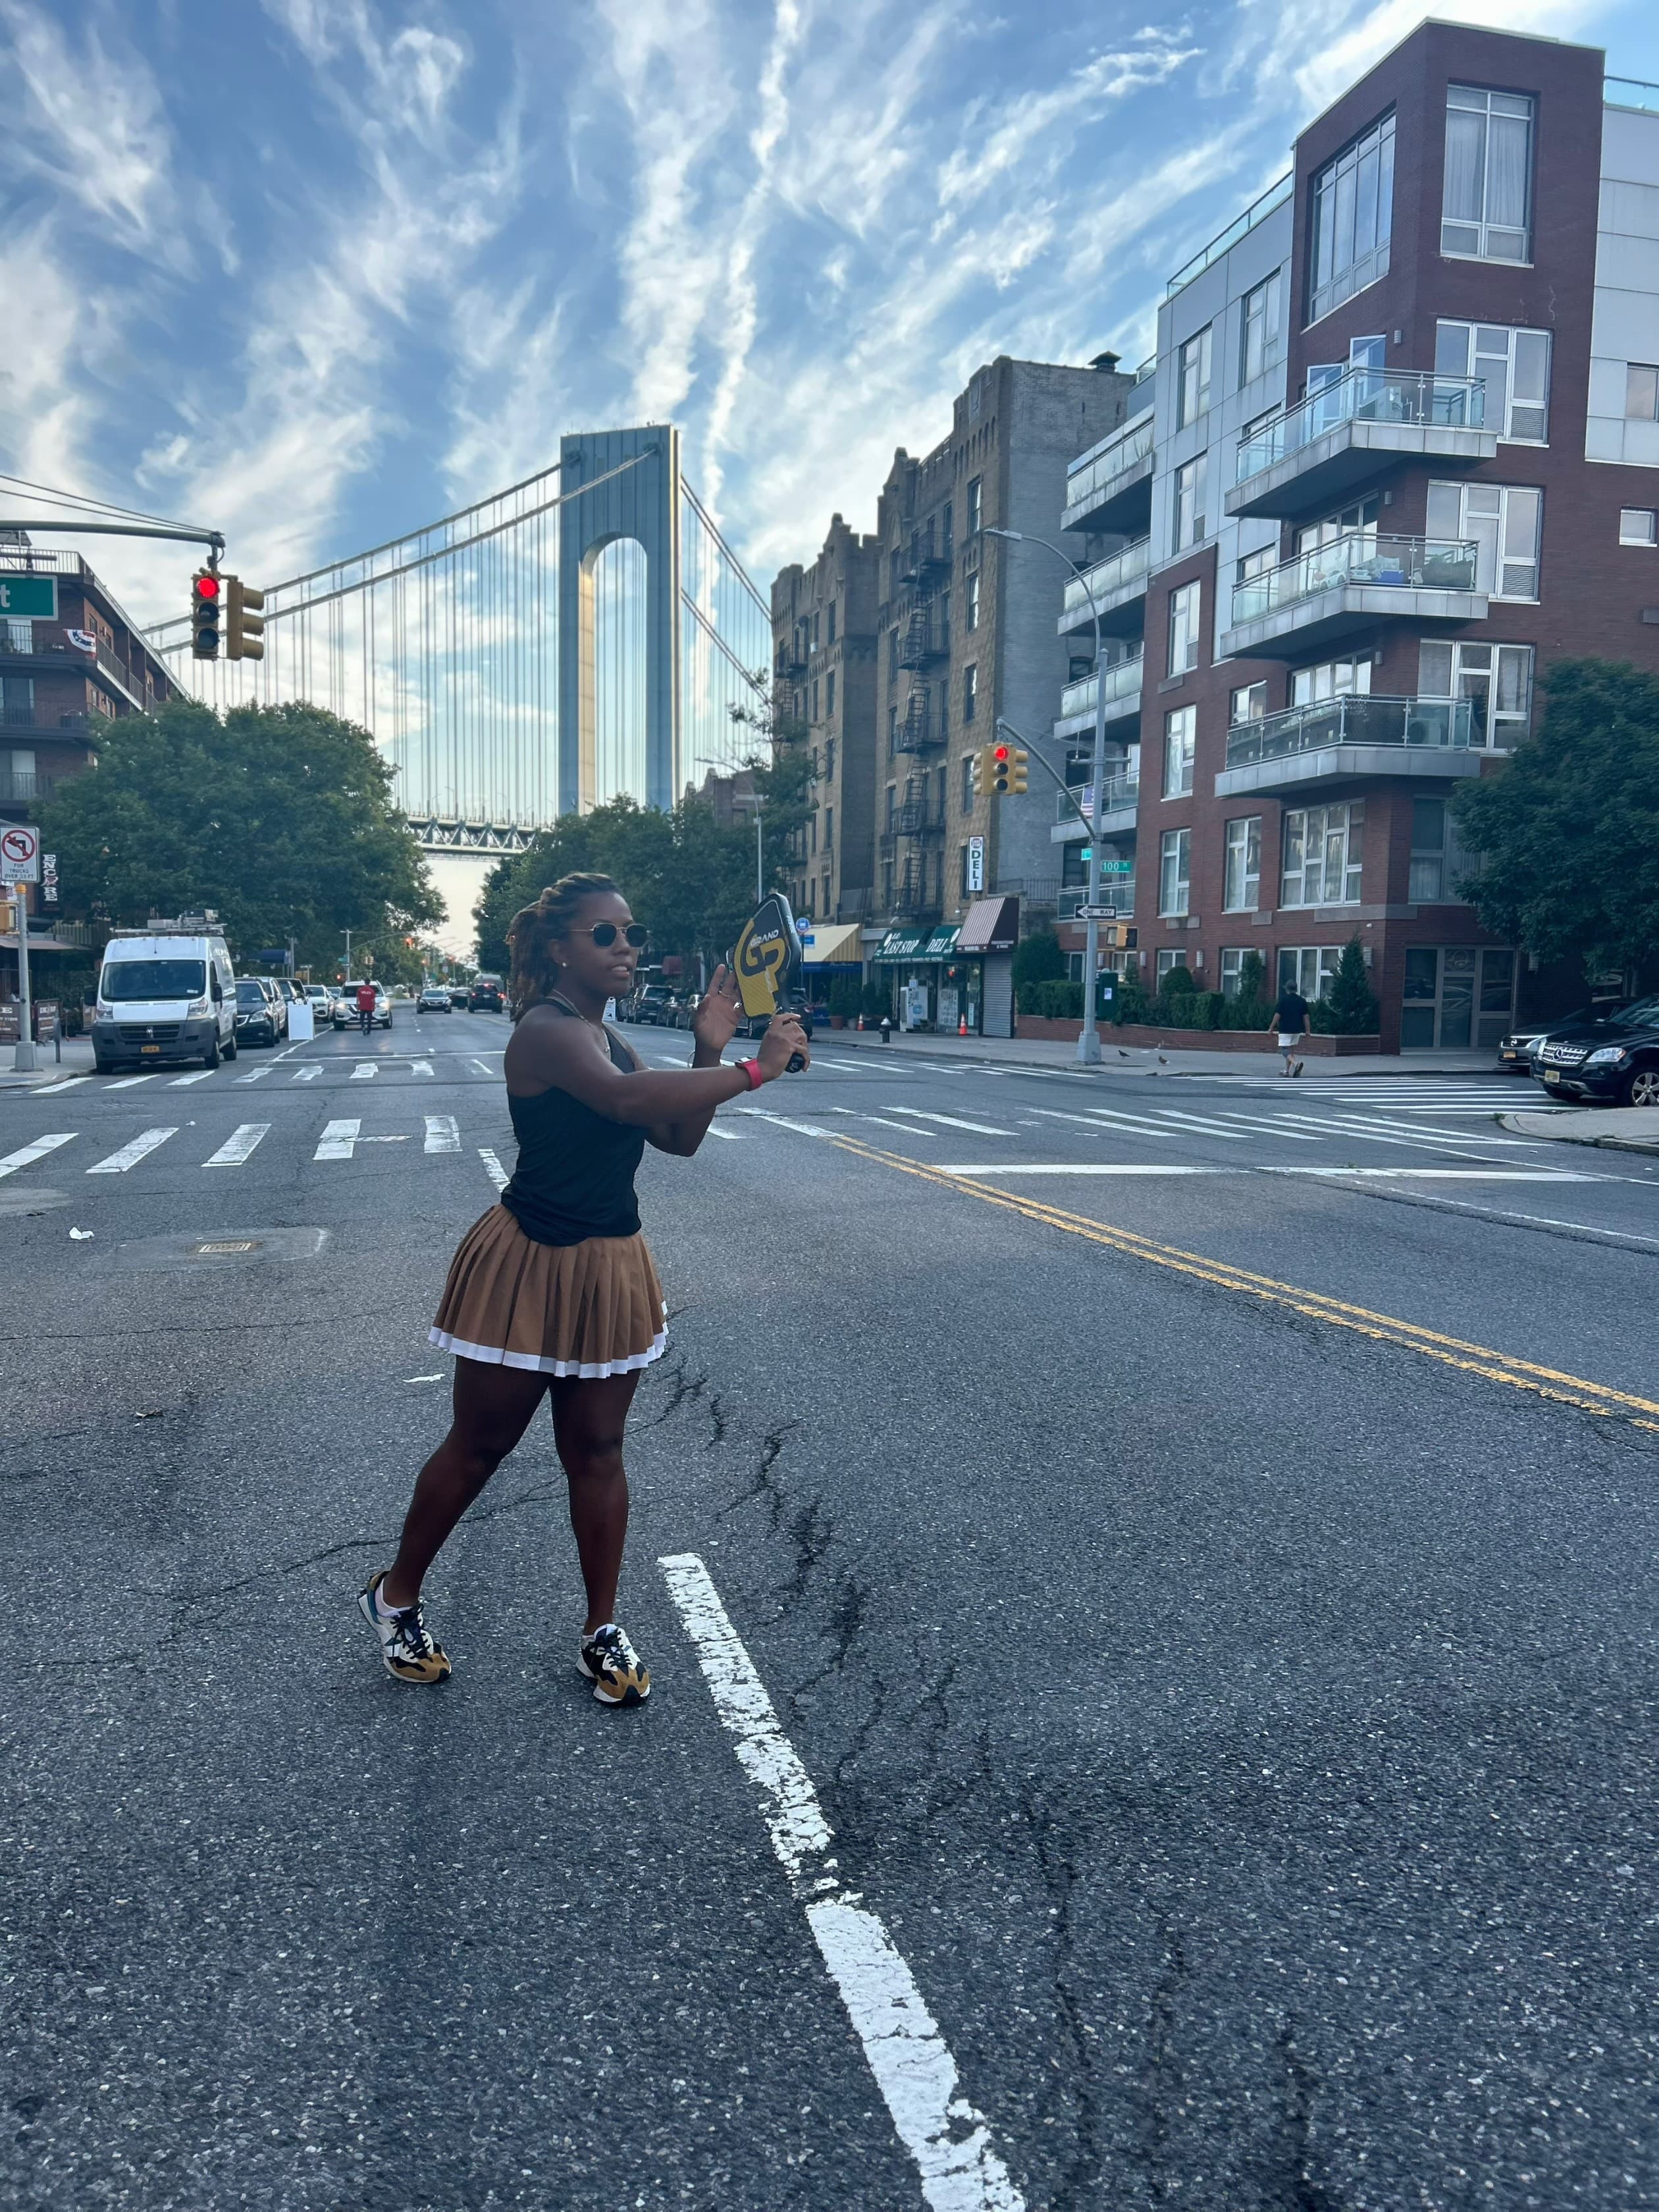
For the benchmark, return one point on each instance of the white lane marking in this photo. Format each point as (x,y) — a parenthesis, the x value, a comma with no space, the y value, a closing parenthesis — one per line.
(1544,1221)
(913,2066)
(1469,1148)
(255,1075)
(904,1128)
(1104,1123)
(479,1065)
(130,1155)
(337,1141)
(802,1128)
(1213,1128)
(129,1082)
(1448,1174)
(239,1146)
(200,1076)
(364,1072)
(732,1136)
(305,1074)
(37,1150)
(441,1133)
(1087,1168)
(493,1168)
(951,1121)
(420,1068)
(423,1378)
(52,1090)
(1258,1121)
(1500,1143)
(1123,1167)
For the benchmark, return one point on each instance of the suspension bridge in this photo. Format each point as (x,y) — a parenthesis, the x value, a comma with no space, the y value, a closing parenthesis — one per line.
(584,633)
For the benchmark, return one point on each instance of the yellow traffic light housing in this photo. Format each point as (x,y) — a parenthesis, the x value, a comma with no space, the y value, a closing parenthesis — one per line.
(245,629)
(1018,761)
(206,612)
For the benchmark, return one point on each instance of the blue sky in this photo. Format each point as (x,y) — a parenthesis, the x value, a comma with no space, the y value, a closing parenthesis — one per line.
(314,271)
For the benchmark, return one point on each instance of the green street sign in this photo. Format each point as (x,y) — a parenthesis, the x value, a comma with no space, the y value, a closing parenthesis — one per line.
(1117,867)
(28,599)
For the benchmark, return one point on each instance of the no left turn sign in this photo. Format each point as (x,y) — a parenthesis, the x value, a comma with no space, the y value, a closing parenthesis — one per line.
(19,855)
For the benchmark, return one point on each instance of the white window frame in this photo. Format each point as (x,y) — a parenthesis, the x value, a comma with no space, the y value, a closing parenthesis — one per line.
(1194,358)
(1180,750)
(1170,957)
(1186,624)
(971,613)
(1336,834)
(1477,238)
(1472,350)
(1460,668)
(1312,971)
(1491,515)
(1258,328)
(1436,860)
(975,505)
(1638,525)
(971,692)
(1365,167)
(1241,877)
(1188,487)
(1641,391)
(1248,703)
(1348,677)
(1174,872)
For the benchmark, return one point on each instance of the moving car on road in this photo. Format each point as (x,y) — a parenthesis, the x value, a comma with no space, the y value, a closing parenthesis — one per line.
(434,999)
(1611,1060)
(258,1020)
(458,997)
(486,995)
(650,1004)
(344,1009)
(164,997)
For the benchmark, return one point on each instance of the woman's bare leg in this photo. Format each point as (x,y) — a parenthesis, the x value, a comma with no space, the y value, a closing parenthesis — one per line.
(588,1418)
(492,1407)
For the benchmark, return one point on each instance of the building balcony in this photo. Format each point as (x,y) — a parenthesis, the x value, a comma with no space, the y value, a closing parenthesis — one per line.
(24,789)
(1118,891)
(1121,803)
(789,663)
(1347,585)
(1076,701)
(1343,741)
(1346,433)
(916,818)
(1110,488)
(918,730)
(76,729)
(1119,588)
(925,641)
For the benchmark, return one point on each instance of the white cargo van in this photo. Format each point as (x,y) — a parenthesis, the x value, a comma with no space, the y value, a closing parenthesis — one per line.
(166,995)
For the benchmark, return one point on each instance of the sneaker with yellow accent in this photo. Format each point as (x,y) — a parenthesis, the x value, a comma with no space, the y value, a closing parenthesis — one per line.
(619,1675)
(408,1648)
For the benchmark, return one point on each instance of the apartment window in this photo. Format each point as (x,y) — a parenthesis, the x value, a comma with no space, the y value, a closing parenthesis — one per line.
(1486,211)
(829,694)
(816,618)
(1636,525)
(1353,199)
(1258,337)
(944,710)
(1323,849)
(830,622)
(1505,521)
(969,692)
(1232,969)
(1438,862)
(892,732)
(1515,367)
(812,827)
(975,507)
(1180,743)
(1193,378)
(815,699)
(829,829)
(1252,565)
(968,783)
(971,620)
(1358,519)
(1170,957)
(946,529)
(20,636)
(895,568)
(892,657)
(1175,872)
(1184,629)
(1641,391)
(1241,872)
(1188,515)
(1307,969)
(1497,678)
(1331,679)
(17,701)
(1249,703)
(891,803)
(830,761)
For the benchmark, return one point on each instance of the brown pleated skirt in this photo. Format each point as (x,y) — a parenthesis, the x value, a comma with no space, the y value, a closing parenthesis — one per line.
(590,1309)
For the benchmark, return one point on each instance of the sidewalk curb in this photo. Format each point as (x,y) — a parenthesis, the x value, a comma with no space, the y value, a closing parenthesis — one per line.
(1535,1123)
(1142,1060)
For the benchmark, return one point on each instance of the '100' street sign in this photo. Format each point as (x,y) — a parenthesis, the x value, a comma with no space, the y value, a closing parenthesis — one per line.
(28,599)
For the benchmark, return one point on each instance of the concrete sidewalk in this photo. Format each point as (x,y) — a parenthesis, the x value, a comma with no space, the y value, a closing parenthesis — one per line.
(77,1060)
(1169,1059)
(1633,1130)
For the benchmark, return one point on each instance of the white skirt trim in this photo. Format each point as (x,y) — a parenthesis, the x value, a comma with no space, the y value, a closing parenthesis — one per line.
(589,1371)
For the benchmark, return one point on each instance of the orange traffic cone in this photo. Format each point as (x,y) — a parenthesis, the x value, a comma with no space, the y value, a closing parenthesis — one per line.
(961,1026)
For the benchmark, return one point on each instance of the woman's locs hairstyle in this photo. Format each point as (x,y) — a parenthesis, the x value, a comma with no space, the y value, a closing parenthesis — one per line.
(535,930)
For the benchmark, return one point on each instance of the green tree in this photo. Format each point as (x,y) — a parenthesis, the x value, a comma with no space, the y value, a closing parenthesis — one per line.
(281,818)
(1349,1008)
(1565,833)
(1038,958)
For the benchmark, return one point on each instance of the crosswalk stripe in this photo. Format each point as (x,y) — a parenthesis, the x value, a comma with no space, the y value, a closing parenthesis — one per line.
(420,1068)
(493,1168)
(1276,1129)
(337,1141)
(441,1133)
(239,1146)
(1194,1121)
(482,1069)
(129,1082)
(905,1129)
(1333,1126)
(732,1136)
(1105,1117)
(255,1074)
(52,1090)
(305,1074)
(952,1122)
(130,1154)
(783,1122)
(37,1150)
(364,1072)
(180,1082)
(1363,1120)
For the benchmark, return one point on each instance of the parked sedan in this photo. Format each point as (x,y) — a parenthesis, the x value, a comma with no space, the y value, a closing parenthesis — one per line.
(1610,1060)
(434,999)
(258,1020)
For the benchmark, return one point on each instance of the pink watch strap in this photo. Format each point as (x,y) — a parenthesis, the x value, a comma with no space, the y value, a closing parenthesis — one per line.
(751,1068)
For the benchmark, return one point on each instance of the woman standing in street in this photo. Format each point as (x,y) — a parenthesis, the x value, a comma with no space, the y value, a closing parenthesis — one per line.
(553,1293)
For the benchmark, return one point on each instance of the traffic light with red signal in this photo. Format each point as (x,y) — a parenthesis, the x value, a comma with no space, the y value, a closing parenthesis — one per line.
(206,607)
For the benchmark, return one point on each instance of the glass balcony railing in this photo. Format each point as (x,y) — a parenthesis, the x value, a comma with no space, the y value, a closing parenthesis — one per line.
(1366,395)
(1131,446)
(1129,566)
(1120,791)
(1258,211)
(1115,891)
(1122,682)
(1415,564)
(1356,719)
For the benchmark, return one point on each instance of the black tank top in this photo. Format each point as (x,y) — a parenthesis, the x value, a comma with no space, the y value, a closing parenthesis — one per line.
(574,1177)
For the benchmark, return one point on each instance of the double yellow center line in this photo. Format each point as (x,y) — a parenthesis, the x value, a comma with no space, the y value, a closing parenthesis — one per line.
(1383,1328)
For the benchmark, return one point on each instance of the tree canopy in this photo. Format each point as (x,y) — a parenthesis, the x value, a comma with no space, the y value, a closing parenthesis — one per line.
(1565,833)
(281,818)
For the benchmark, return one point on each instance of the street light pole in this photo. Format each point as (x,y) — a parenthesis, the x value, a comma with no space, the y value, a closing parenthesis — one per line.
(1088,1042)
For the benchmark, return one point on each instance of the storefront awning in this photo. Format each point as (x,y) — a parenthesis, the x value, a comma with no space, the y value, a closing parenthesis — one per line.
(831,940)
(990,925)
(940,944)
(900,945)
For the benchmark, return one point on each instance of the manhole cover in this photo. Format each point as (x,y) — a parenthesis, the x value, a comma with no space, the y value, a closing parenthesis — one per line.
(255,1249)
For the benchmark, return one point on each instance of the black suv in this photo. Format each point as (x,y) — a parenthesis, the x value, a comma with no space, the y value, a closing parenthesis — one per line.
(486,995)
(1609,1060)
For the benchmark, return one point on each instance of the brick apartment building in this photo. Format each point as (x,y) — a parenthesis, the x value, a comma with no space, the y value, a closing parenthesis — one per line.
(900,652)
(1398,450)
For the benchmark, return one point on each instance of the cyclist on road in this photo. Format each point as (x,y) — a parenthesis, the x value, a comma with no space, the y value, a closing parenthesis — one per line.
(366,1007)
(553,1293)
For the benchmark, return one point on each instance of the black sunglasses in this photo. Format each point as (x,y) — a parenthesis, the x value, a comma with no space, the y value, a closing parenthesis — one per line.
(605,932)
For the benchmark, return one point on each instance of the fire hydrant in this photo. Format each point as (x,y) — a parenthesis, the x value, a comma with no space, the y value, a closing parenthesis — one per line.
(887,1028)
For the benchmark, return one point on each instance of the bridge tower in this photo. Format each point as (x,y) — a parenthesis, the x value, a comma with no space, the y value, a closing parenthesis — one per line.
(619,483)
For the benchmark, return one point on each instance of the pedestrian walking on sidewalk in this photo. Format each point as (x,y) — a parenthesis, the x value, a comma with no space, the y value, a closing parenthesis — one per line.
(1291,1019)
(553,1293)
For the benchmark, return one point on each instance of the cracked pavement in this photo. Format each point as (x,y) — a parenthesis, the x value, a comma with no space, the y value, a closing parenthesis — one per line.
(1243,1727)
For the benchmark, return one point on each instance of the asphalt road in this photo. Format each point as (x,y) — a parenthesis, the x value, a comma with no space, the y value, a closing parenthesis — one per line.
(1196,1538)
